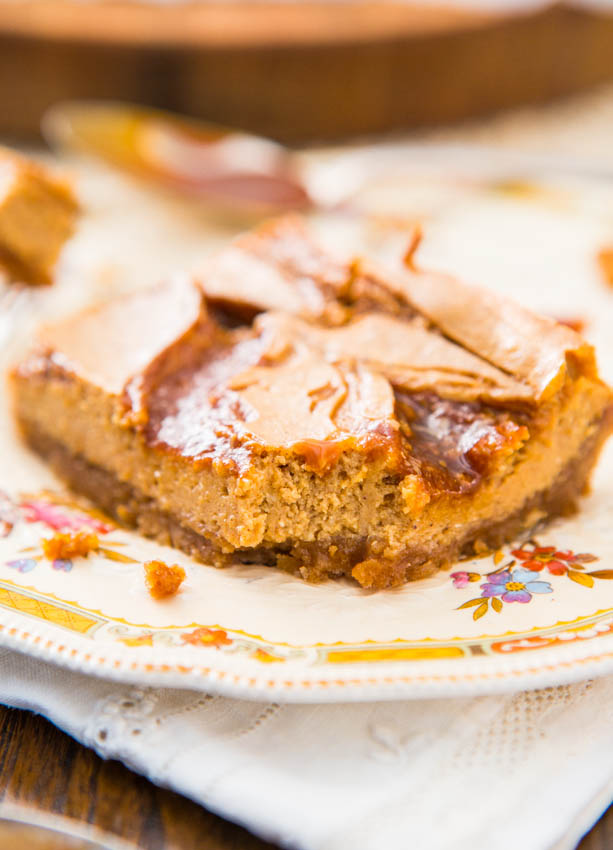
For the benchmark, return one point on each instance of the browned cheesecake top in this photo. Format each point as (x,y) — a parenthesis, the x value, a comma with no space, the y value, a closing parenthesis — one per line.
(282,349)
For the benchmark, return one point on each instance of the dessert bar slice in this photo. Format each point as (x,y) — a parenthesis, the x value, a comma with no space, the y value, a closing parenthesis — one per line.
(37,216)
(317,415)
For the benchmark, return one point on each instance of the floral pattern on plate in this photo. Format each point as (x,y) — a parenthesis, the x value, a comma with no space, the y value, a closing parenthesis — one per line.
(520,583)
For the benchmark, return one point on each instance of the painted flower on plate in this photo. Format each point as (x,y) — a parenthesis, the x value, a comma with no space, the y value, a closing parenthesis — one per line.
(22,565)
(514,585)
(59,518)
(62,564)
(556,561)
(463,578)
(207,637)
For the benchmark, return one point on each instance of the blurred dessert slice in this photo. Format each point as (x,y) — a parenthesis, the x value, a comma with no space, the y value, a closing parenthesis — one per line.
(37,216)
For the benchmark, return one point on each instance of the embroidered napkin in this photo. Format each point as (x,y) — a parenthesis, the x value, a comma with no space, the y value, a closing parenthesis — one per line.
(531,771)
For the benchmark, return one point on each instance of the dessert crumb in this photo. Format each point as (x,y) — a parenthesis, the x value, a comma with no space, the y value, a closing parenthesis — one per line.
(162,580)
(605,260)
(69,544)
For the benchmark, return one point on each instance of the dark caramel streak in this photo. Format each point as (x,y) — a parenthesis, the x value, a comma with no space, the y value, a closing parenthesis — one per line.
(450,443)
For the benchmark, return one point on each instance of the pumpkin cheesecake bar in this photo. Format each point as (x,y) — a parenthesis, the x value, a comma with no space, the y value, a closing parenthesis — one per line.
(316,414)
(37,215)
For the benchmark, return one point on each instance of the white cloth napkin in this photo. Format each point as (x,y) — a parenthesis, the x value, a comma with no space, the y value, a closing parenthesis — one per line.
(530,771)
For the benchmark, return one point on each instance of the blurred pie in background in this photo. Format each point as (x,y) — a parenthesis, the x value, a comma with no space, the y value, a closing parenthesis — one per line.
(300,71)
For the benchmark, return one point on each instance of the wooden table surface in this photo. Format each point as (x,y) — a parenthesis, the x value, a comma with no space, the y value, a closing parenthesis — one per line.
(45,774)
(298,72)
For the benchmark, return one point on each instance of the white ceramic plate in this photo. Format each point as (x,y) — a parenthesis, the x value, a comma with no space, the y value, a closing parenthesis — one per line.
(537,613)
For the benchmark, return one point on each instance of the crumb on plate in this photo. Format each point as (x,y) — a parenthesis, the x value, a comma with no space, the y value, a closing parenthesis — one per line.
(70,544)
(162,580)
